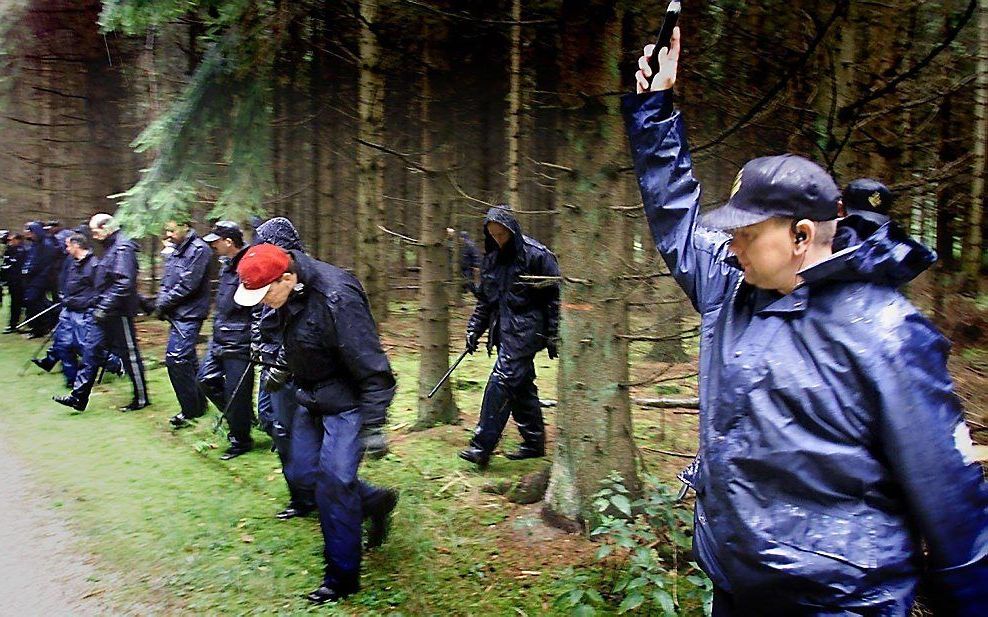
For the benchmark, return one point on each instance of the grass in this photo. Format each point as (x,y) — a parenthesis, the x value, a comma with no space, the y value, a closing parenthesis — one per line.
(182,531)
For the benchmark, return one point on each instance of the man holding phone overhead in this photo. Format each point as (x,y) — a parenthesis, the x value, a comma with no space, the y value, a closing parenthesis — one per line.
(832,442)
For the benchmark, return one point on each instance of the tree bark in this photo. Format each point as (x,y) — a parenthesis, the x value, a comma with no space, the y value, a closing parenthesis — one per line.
(973,251)
(371,259)
(434,274)
(514,107)
(594,419)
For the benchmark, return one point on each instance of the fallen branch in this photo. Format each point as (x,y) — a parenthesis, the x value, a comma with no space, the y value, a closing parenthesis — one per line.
(668,453)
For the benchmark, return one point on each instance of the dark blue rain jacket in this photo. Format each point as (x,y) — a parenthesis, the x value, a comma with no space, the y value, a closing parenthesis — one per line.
(265,329)
(78,286)
(40,262)
(184,291)
(332,346)
(522,315)
(831,439)
(231,322)
(116,277)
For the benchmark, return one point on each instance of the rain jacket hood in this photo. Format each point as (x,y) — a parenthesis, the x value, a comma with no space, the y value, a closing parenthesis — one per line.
(831,441)
(522,315)
(881,254)
(280,232)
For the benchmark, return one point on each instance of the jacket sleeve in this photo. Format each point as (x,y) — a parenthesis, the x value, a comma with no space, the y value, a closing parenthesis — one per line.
(189,279)
(359,347)
(671,196)
(928,447)
(480,320)
(123,276)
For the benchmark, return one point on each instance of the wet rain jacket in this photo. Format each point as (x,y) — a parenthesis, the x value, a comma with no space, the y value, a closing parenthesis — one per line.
(331,345)
(231,322)
(522,315)
(40,262)
(184,291)
(116,277)
(831,439)
(78,292)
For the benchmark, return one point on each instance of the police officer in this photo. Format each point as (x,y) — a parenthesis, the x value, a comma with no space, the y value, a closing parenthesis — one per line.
(39,264)
(11,276)
(183,300)
(226,375)
(115,305)
(76,295)
(332,348)
(523,318)
(834,448)
(866,204)
(464,253)
(280,414)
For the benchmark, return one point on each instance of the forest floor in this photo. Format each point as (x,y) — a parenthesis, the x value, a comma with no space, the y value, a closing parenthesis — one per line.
(121,514)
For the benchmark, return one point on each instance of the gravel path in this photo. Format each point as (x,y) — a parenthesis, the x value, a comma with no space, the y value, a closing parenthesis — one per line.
(40,573)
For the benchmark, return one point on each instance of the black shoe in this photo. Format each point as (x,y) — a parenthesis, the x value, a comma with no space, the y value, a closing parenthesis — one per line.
(179,421)
(476,456)
(70,401)
(232,452)
(41,364)
(9,330)
(522,453)
(135,406)
(328,594)
(293,511)
(379,514)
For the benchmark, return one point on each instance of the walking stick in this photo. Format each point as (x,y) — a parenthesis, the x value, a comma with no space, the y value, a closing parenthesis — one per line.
(449,372)
(44,312)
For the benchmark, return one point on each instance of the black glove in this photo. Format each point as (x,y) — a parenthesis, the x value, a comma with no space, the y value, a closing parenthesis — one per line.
(147,304)
(552,347)
(275,379)
(100,316)
(373,441)
(473,339)
(159,313)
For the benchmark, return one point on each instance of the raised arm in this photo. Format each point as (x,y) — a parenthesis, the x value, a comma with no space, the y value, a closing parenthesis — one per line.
(670,192)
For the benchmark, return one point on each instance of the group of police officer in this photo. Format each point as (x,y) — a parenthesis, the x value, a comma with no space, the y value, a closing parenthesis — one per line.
(325,381)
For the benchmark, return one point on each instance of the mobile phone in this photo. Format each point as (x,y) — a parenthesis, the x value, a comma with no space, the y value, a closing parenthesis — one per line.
(664,37)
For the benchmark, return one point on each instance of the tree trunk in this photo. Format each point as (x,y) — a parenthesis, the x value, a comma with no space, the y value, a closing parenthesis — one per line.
(973,252)
(514,107)
(433,276)
(594,436)
(371,260)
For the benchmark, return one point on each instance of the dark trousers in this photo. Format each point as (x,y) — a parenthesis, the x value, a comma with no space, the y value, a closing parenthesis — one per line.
(35,301)
(220,380)
(340,494)
(16,305)
(511,391)
(67,343)
(299,464)
(183,366)
(115,335)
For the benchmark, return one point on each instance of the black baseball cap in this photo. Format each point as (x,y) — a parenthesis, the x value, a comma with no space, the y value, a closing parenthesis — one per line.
(784,186)
(225,229)
(867,195)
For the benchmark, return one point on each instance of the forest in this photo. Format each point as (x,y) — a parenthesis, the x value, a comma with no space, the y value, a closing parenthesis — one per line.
(375,125)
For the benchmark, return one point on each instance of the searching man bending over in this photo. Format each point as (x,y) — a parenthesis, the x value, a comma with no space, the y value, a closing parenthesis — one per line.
(343,378)
(832,442)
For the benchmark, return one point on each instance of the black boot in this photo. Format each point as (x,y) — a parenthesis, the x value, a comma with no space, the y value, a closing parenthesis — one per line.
(494,413)
(379,512)
(477,456)
(525,451)
(293,511)
(43,364)
(70,400)
(335,588)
